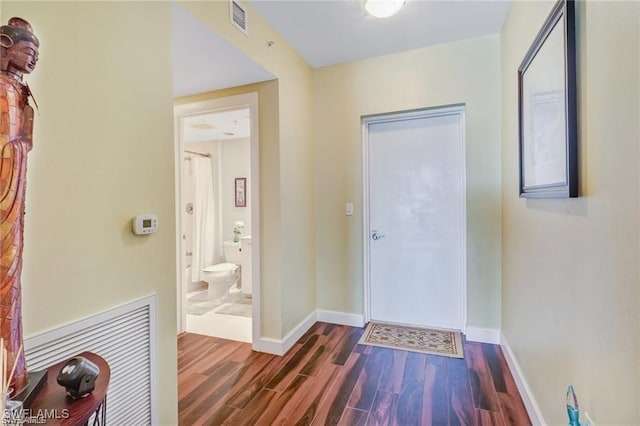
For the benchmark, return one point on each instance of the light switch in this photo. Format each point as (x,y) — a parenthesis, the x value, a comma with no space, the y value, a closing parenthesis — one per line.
(349,209)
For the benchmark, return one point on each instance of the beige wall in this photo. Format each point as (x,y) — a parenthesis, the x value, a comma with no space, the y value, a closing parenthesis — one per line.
(287,195)
(103,153)
(464,72)
(235,162)
(570,266)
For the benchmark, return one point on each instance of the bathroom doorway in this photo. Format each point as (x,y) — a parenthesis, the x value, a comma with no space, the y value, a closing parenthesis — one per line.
(217,212)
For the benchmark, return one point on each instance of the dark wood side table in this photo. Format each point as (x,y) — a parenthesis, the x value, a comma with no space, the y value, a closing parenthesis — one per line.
(52,401)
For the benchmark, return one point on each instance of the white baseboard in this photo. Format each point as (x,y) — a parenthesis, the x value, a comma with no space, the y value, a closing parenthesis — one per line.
(342,318)
(294,335)
(267,345)
(280,347)
(483,335)
(535,415)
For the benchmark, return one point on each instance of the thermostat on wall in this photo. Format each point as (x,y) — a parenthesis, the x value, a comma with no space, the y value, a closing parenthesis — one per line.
(145,224)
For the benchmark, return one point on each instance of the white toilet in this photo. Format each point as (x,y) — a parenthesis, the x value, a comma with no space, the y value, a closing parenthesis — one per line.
(224,276)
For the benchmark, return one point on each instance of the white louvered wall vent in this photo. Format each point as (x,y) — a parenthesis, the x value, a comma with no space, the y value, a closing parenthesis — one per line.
(239,17)
(125,337)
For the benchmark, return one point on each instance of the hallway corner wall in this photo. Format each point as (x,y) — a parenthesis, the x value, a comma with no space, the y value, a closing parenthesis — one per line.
(571,281)
(287,170)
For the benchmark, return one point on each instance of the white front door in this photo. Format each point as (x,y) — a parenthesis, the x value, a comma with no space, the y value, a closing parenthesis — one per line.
(416,221)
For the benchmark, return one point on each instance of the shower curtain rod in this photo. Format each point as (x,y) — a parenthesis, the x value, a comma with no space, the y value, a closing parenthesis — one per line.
(197,153)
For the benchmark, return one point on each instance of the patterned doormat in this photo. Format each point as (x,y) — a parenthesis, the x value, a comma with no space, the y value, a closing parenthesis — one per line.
(416,339)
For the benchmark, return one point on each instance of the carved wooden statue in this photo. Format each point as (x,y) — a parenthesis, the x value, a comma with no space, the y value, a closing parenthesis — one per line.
(18,56)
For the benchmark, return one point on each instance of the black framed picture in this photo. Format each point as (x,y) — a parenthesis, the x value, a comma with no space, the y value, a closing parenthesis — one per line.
(547,105)
(240,188)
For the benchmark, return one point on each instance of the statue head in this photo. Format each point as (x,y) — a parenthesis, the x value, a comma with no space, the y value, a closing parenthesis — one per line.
(18,47)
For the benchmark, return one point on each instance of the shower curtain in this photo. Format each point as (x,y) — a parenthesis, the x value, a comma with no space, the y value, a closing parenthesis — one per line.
(203,216)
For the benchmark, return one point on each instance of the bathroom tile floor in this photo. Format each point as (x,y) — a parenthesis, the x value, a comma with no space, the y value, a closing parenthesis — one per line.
(233,327)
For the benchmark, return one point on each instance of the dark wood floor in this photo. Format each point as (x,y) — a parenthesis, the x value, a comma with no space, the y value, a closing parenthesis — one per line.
(327,378)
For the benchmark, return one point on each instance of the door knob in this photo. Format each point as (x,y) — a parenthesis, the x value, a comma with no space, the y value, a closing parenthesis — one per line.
(375,236)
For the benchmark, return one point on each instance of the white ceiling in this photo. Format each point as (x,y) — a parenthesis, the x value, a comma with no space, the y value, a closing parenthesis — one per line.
(203,61)
(217,126)
(324,32)
(327,32)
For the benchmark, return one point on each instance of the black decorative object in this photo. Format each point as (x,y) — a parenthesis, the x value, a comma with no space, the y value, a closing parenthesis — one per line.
(78,376)
(36,380)
(547,103)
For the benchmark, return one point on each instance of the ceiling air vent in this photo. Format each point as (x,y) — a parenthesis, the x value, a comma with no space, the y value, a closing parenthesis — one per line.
(238,16)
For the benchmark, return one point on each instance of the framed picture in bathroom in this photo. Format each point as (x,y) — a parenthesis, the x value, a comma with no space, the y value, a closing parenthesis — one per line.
(241,192)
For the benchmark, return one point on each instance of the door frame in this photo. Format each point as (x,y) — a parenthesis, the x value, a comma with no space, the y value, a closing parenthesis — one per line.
(368,120)
(245,100)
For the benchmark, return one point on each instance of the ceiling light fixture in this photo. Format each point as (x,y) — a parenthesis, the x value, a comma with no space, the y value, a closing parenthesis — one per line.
(383,8)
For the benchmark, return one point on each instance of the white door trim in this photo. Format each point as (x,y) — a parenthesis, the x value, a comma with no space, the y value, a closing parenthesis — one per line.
(401,116)
(245,100)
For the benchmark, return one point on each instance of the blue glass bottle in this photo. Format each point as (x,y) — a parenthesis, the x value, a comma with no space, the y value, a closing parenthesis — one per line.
(573,410)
